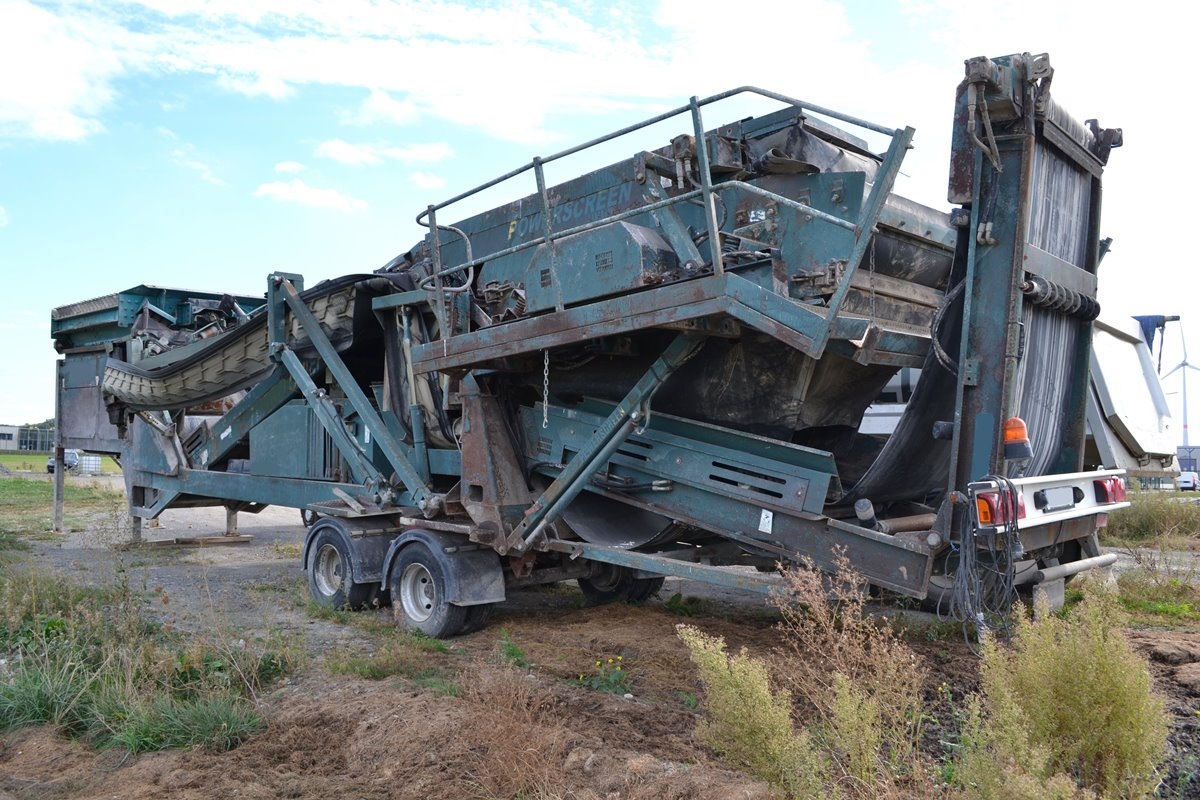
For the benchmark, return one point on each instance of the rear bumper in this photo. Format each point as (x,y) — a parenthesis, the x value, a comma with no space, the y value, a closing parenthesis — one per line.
(1077,503)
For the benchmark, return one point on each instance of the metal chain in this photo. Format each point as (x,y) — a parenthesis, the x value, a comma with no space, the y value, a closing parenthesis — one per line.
(545,389)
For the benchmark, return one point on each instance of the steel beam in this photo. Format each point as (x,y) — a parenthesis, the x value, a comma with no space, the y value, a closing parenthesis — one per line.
(423,496)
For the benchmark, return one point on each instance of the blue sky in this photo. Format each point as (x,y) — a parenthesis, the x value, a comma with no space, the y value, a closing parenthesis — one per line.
(204,144)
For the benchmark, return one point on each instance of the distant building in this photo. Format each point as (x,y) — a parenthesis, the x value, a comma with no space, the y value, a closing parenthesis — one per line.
(26,438)
(1187,458)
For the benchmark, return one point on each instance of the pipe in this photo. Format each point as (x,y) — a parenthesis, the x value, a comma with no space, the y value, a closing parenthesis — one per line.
(917,522)
(1074,568)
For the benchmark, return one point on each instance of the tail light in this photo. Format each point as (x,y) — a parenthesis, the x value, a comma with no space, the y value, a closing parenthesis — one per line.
(1110,490)
(993,508)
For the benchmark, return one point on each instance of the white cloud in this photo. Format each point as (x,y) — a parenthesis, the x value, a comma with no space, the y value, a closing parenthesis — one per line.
(270,86)
(297,191)
(363,153)
(347,153)
(382,107)
(3,217)
(183,157)
(166,132)
(289,167)
(271,48)
(58,72)
(427,180)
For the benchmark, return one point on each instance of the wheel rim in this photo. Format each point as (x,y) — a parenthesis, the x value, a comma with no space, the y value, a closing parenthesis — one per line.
(418,595)
(328,570)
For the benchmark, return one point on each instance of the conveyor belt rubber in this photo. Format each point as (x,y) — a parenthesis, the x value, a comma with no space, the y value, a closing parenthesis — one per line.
(238,358)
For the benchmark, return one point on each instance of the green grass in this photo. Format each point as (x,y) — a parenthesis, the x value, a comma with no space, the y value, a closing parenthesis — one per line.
(36,462)
(510,653)
(86,663)
(315,610)
(438,682)
(402,654)
(1169,520)
(24,462)
(26,505)
(1157,596)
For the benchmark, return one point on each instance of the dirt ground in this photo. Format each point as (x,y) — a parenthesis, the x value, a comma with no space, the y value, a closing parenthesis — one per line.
(353,738)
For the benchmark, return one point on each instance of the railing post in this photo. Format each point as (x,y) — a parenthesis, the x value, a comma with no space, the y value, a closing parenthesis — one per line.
(439,309)
(710,208)
(548,225)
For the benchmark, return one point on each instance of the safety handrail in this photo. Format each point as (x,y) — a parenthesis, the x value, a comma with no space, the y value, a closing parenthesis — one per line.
(899,142)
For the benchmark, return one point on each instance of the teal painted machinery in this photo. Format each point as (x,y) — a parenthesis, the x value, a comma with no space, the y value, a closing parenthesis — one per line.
(660,368)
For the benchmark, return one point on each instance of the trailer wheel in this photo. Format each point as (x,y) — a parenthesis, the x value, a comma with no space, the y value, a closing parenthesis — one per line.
(644,588)
(329,574)
(309,518)
(614,584)
(418,590)
(477,617)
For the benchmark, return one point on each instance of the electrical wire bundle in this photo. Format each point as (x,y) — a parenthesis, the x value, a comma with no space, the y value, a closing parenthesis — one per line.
(985,581)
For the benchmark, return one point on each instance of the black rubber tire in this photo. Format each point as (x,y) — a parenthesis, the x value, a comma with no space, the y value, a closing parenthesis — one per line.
(644,588)
(609,584)
(614,584)
(477,617)
(309,518)
(329,573)
(417,584)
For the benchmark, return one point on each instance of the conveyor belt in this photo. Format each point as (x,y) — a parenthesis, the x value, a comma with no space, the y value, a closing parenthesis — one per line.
(213,368)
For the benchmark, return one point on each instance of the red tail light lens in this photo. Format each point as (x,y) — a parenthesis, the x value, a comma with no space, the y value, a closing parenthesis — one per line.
(1110,490)
(993,508)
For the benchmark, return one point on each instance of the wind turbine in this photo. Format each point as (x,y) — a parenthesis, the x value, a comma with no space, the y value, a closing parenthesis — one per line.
(1182,367)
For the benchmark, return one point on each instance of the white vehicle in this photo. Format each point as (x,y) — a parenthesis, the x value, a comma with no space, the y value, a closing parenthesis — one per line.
(1186,482)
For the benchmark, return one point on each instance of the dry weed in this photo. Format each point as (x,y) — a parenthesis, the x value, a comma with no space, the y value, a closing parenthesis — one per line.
(845,664)
(518,741)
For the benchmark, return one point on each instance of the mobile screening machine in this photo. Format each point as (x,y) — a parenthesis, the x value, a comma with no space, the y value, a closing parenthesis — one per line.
(657,368)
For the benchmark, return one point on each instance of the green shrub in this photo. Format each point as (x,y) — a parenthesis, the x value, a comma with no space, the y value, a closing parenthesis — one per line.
(837,657)
(749,724)
(856,731)
(1066,711)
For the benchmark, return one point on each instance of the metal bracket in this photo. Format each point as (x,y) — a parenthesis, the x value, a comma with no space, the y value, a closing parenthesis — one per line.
(970,372)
